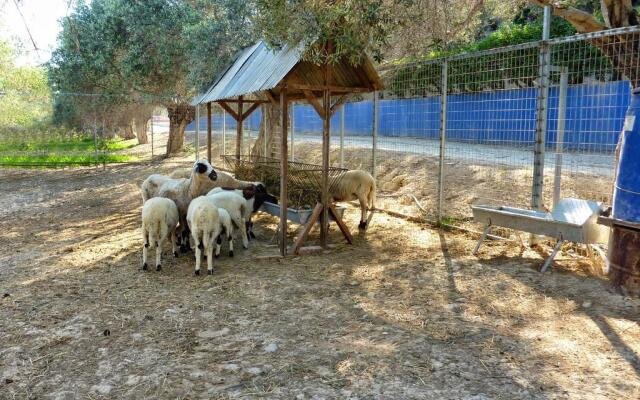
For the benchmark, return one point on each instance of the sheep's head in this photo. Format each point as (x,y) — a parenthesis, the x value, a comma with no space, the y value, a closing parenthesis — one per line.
(204,168)
(260,192)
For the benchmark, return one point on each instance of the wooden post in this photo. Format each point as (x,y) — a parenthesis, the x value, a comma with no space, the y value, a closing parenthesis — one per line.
(209,131)
(239,128)
(326,137)
(284,170)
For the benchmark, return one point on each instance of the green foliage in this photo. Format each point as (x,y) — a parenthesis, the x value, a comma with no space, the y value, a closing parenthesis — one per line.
(354,27)
(24,94)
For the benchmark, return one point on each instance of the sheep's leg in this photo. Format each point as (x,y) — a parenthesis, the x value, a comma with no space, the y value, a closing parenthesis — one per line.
(159,254)
(145,246)
(363,213)
(209,247)
(198,252)
(243,232)
(174,245)
(230,239)
(249,227)
(218,245)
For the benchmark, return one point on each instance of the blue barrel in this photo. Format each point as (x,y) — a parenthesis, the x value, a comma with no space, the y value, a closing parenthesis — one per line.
(626,196)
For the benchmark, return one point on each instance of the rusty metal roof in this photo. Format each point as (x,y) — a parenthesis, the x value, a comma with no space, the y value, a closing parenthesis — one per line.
(256,68)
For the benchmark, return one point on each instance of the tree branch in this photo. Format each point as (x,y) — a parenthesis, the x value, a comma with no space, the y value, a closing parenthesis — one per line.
(581,20)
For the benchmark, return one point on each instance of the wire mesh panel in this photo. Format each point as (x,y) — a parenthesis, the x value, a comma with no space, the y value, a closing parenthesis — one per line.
(588,100)
(490,129)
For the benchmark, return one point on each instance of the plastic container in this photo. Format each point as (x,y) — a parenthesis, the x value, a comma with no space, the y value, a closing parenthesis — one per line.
(626,196)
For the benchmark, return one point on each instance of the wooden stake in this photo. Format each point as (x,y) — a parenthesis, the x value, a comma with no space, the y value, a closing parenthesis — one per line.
(239,127)
(284,170)
(317,210)
(326,137)
(341,224)
(209,131)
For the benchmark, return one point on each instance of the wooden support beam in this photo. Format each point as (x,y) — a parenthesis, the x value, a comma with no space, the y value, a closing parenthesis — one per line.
(271,97)
(250,110)
(239,127)
(317,210)
(341,224)
(244,101)
(338,103)
(209,131)
(284,170)
(228,109)
(311,98)
(332,88)
(326,138)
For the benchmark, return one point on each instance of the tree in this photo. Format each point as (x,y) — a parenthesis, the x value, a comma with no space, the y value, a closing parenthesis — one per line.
(615,14)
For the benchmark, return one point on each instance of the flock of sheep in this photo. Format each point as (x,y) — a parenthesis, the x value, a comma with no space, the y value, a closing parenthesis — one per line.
(205,206)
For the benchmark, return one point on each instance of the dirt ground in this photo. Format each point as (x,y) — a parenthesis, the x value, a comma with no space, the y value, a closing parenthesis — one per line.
(406,312)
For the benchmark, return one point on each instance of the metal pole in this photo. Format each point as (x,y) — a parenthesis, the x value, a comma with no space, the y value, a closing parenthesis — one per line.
(209,127)
(224,132)
(537,192)
(342,136)
(374,147)
(239,128)
(284,171)
(562,112)
(443,138)
(293,129)
(197,131)
(151,137)
(95,139)
(104,145)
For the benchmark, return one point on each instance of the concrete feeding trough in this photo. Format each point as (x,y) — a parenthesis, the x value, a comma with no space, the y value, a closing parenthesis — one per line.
(298,215)
(573,220)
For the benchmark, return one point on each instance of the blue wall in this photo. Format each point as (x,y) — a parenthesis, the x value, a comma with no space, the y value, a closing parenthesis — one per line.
(594,117)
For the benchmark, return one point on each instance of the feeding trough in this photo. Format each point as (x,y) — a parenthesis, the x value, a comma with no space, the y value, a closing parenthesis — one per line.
(573,220)
(298,215)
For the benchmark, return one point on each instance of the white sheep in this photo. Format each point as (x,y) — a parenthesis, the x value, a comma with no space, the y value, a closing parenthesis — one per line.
(225,179)
(255,195)
(182,191)
(159,219)
(356,184)
(203,218)
(226,228)
(236,206)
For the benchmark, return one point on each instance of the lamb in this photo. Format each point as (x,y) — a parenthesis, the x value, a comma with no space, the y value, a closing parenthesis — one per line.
(182,191)
(356,184)
(236,206)
(226,228)
(159,219)
(151,185)
(203,218)
(255,195)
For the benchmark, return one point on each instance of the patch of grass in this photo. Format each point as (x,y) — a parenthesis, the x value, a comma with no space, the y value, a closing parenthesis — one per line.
(67,144)
(53,160)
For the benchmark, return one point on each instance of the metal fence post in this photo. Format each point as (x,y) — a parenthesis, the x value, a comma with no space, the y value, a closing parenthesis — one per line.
(537,192)
(151,137)
(292,118)
(342,135)
(374,145)
(197,132)
(562,112)
(443,138)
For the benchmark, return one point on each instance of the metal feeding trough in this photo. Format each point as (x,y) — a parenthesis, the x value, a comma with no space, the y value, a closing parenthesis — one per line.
(298,215)
(573,220)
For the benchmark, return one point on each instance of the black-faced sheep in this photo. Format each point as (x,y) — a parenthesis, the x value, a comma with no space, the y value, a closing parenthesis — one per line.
(182,191)
(356,184)
(224,179)
(255,195)
(203,218)
(159,219)
(236,206)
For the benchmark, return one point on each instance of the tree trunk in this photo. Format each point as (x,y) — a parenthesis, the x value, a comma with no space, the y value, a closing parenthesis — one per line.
(141,130)
(179,116)
(270,130)
(127,132)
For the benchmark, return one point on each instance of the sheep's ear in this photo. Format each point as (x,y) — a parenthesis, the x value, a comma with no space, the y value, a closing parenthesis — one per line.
(248,192)
(200,168)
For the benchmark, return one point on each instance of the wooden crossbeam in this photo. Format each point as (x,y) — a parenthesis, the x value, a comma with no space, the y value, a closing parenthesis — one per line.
(338,103)
(341,224)
(228,109)
(244,101)
(317,210)
(250,110)
(331,88)
(311,98)
(271,97)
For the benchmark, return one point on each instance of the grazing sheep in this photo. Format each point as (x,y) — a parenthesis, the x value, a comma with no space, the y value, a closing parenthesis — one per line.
(226,228)
(203,219)
(159,219)
(356,184)
(182,191)
(236,206)
(255,195)
(151,185)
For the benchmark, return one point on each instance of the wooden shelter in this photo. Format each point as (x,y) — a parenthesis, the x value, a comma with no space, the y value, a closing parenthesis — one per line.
(260,75)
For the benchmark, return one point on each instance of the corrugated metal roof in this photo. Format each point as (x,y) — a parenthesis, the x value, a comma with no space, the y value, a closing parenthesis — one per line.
(257,68)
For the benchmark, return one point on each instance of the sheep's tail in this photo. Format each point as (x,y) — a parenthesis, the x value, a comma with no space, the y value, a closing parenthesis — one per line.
(206,238)
(163,230)
(372,195)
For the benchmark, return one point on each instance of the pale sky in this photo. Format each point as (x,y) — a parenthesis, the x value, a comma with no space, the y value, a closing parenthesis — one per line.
(41,18)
